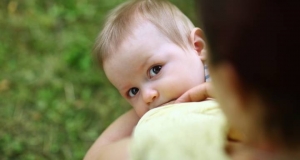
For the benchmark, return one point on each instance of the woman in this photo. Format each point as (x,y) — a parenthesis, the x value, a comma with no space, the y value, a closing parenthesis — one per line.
(253,47)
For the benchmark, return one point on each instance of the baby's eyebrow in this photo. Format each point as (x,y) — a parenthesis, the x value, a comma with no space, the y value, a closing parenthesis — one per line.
(145,62)
(124,89)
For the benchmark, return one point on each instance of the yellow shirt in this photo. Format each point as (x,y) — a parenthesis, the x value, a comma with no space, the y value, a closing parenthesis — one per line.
(185,131)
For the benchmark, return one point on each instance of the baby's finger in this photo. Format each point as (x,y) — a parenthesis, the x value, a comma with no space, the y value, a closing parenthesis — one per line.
(196,94)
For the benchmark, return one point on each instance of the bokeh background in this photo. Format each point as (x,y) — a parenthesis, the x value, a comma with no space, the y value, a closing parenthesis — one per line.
(54,100)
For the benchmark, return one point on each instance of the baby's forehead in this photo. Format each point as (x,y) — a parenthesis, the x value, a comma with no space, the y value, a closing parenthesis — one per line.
(138,31)
(121,75)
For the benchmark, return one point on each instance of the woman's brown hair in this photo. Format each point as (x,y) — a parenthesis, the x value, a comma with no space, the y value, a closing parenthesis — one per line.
(260,39)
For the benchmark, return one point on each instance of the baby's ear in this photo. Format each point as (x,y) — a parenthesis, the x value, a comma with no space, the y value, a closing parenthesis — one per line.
(197,39)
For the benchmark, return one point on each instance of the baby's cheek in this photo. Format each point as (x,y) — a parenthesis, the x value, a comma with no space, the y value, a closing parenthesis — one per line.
(176,91)
(141,110)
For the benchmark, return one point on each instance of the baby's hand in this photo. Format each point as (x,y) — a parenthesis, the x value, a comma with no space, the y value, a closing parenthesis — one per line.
(196,94)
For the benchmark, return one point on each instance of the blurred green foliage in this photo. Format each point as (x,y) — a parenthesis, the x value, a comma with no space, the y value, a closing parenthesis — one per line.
(54,101)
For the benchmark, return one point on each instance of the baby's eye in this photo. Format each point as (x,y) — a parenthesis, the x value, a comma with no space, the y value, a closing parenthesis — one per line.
(154,70)
(133,91)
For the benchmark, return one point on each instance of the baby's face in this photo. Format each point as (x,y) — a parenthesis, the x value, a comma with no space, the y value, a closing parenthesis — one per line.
(149,70)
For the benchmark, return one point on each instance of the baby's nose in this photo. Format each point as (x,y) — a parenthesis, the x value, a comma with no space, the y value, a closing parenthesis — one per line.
(150,95)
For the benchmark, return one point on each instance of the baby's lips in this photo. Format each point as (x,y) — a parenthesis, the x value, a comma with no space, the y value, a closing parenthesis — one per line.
(170,102)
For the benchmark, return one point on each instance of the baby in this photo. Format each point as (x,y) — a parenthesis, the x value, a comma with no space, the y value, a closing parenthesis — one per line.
(153,54)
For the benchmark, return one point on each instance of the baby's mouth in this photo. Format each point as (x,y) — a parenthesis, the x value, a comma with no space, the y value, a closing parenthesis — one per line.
(170,102)
(164,104)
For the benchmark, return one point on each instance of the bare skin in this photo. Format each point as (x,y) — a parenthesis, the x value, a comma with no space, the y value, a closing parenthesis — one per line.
(196,94)
(110,152)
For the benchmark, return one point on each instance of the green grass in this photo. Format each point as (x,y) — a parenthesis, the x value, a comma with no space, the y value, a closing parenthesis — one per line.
(54,101)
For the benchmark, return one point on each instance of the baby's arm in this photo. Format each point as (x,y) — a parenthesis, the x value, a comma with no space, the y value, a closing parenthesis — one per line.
(116,151)
(111,138)
(196,94)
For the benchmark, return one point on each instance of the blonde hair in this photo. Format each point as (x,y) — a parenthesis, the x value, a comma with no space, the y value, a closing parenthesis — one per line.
(120,23)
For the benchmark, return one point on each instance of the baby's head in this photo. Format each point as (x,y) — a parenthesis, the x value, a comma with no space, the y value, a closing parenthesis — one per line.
(151,52)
